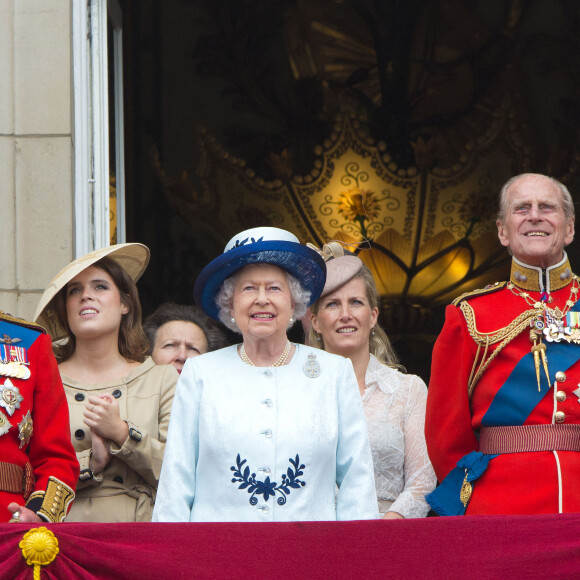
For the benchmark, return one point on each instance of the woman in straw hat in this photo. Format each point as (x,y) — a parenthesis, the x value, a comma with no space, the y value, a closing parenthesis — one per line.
(119,400)
(344,321)
(265,430)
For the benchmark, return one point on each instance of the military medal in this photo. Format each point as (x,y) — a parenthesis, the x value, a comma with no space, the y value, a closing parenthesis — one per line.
(14,360)
(10,397)
(312,367)
(22,372)
(466,491)
(25,430)
(4,424)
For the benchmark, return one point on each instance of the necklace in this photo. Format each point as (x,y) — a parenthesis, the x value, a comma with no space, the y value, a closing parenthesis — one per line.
(279,362)
(541,304)
(547,321)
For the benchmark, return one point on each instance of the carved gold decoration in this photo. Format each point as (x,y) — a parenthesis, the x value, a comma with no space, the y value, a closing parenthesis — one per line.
(426,234)
(39,548)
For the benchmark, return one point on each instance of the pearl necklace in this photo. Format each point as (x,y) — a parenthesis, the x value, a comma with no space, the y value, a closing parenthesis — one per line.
(279,362)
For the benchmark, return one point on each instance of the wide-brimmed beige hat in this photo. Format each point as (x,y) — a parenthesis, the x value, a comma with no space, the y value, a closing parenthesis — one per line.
(340,267)
(132,257)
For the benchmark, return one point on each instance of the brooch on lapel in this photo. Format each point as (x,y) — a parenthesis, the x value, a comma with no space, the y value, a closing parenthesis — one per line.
(312,367)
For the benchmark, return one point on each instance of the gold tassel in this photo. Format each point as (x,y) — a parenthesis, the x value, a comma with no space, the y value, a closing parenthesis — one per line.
(542,348)
(536,352)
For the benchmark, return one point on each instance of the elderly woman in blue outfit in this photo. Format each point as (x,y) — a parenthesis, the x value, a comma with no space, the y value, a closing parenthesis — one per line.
(265,430)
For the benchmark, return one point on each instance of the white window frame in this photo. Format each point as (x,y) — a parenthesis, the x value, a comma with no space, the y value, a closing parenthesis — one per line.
(91,123)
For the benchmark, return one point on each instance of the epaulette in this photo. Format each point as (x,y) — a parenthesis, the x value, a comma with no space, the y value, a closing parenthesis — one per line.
(480,292)
(22,322)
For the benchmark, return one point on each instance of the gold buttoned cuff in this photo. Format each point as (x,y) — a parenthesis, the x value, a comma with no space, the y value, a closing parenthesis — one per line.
(56,500)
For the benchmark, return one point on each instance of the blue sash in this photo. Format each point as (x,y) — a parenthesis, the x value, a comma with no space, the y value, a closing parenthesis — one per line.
(512,405)
(519,395)
(445,499)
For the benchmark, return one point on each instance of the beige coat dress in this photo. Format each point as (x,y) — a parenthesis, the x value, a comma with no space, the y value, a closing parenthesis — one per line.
(125,490)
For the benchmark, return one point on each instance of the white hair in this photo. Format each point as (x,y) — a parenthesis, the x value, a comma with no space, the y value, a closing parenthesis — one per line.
(225,295)
(567,203)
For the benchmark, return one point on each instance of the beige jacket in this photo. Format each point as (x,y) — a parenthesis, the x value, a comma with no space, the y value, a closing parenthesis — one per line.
(125,490)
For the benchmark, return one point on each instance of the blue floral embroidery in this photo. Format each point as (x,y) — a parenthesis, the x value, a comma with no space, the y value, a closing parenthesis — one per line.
(243,242)
(268,488)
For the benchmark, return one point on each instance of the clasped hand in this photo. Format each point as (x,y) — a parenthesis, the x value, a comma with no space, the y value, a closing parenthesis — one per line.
(103,418)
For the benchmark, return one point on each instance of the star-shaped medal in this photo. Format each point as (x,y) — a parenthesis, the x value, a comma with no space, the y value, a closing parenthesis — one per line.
(25,430)
(10,397)
(4,424)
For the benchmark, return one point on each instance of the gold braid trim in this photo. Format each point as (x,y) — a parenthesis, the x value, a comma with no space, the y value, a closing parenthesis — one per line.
(57,497)
(479,292)
(484,339)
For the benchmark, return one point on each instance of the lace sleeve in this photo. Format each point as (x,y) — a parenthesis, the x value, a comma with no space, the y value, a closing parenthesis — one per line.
(418,473)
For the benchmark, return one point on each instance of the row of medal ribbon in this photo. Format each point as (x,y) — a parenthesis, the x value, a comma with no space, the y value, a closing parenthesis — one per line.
(14,369)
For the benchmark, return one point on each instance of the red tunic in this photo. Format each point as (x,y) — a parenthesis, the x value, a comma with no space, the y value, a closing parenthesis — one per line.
(49,450)
(514,483)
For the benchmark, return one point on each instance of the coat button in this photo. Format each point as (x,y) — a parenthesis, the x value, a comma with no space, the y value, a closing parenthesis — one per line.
(117,393)
(79,434)
(118,479)
(268,373)
(267,402)
(560,376)
(560,396)
(560,416)
(79,397)
(267,433)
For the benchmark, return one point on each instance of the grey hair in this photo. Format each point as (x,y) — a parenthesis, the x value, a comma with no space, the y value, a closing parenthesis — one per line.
(567,203)
(225,295)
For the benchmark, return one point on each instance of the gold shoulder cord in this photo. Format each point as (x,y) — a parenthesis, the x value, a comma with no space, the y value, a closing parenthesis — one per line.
(485,339)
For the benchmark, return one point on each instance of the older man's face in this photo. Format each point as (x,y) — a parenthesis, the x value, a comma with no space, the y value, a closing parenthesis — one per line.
(535,227)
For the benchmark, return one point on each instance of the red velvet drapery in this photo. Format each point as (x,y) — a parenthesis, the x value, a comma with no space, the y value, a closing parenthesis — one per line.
(461,547)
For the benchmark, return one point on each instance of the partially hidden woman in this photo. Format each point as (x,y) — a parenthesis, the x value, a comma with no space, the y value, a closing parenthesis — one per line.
(344,321)
(265,430)
(177,332)
(119,400)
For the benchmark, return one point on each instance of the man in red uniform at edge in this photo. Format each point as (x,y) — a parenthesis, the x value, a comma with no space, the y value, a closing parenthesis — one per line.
(38,465)
(503,410)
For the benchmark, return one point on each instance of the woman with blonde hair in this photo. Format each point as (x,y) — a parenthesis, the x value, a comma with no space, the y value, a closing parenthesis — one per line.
(344,322)
(119,400)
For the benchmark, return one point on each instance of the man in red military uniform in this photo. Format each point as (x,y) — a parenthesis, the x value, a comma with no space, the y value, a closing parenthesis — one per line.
(38,465)
(503,410)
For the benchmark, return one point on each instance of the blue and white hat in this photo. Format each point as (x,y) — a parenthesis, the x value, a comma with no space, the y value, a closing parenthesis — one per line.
(261,246)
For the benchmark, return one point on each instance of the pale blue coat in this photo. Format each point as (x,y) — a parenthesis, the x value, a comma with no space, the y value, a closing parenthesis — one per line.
(258,444)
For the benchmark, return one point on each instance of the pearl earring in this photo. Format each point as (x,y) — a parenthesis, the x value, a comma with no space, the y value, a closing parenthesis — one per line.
(291,319)
(233,320)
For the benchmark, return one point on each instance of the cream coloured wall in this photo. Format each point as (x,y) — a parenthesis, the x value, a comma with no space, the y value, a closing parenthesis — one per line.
(36,149)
